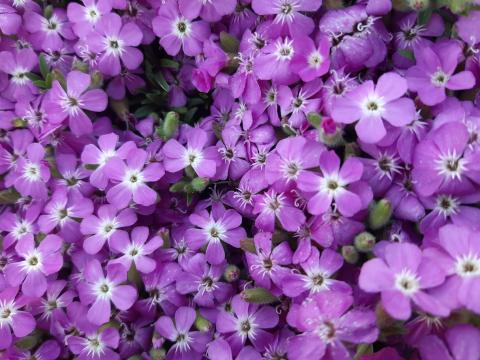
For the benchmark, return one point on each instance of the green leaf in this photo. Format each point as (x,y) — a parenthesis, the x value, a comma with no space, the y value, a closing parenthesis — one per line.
(168,63)
(407,54)
(44,70)
(424,16)
(160,80)
(144,111)
(33,76)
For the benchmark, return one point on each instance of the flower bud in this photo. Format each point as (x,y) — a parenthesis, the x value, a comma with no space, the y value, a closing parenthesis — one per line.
(258,296)
(199,184)
(350,254)
(228,43)
(202,324)
(96,80)
(315,119)
(158,354)
(170,125)
(418,5)
(364,242)
(380,214)
(48,12)
(19,123)
(248,245)
(231,273)
(9,196)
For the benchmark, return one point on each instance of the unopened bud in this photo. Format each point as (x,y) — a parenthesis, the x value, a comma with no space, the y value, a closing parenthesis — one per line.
(199,184)
(248,245)
(350,254)
(364,242)
(418,5)
(96,80)
(48,12)
(228,43)
(380,214)
(19,123)
(315,119)
(258,296)
(158,354)
(170,125)
(231,273)
(202,324)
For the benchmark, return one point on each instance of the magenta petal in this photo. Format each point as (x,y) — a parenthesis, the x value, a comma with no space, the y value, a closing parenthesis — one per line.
(124,296)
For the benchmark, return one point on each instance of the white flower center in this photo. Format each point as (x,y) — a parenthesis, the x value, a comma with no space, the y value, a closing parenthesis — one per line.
(387,166)
(439,78)
(451,165)
(192,157)
(326,331)
(113,46)
(273,203)
(7,311)
(182,342)
(103,289)
(284,50)
(373,105)
(31,172)
(52,25)
(105,156)
(317,281)
(291,169)
(94,347)
(215,231)
(468,265)
(315,59)
(134,250)
(19,76)
(32,261)
(447,205)
(407,282)
(286,10)
(108,227)
(182,28)
(133,178)
(246,327)
(332,185)
(21,228)
(92,14)
(71,104)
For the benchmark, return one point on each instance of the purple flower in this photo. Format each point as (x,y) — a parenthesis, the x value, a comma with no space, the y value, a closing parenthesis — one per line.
(98,157)
(203,281)
(318,277)
(186,344)
(32,173)
(48,350)
(289,15)
(84,18)
(18,64)
(10,21)
(36,263)
(136,250)
(269,262)
(13,318)
(71,102)
(292,155)
(274,62)
(95,345)
(370,104)
(247,321)
(177,29)
(209,11)
(178,157)
(461,343)
(272,205)
(332,186)
(326,323)
(213,229)
(401,277)
(63,210)
(20,225)
(313,61)
(48,33)
(116,42)
(105,226)
(460,259)
(434,72)
(100,290)
(444,162)
(130,179)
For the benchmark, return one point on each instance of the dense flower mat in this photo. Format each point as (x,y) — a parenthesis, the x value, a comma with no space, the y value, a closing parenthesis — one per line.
(240,179)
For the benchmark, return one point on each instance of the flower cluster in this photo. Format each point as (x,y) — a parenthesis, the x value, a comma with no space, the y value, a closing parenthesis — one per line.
(239,179)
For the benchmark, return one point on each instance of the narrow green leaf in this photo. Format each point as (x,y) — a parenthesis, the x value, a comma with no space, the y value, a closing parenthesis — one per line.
(170,64)
(43,65)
